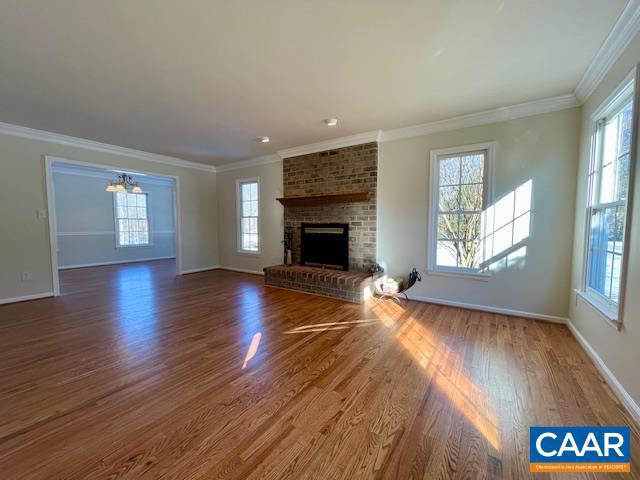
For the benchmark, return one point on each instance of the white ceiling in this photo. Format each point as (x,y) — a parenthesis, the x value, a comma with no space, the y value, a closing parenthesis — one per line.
(200,79)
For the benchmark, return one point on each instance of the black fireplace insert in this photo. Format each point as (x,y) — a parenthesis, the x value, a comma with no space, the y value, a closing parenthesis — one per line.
(325,245)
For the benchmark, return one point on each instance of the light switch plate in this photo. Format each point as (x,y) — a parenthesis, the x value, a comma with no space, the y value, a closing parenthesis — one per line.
(41,213)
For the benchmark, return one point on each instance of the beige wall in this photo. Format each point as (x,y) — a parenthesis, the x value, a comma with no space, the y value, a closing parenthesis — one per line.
(24,239)
(542,149)
(619,350)
(271,214)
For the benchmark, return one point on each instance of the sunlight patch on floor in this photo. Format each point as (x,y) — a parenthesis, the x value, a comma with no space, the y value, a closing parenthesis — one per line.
(253,349)
(444,365)
(323,327)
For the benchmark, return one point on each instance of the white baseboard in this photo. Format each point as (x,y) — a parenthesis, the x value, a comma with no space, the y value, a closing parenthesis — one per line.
(614,383)
(114,262)
(486,308)
(241,270)
(222,267)
(196,270)
(24,298)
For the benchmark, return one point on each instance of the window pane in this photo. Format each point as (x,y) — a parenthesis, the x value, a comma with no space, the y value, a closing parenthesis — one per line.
(609,160)
(246,209)
(246,192)
(446,255)
(622,177)
(471,197)
(450,171)
(625,134)
(141,200)
(615,285)
(470,226)
(244,225)
(254,191)
(449,199)
(472,168)
(144,237)
(253,225)
(253,209)
(597,253)
(468,253)
(447,227)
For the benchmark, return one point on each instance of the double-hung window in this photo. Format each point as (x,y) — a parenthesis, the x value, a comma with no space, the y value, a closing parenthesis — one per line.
(459,193)
(132,219)
(608,193)
(248,204)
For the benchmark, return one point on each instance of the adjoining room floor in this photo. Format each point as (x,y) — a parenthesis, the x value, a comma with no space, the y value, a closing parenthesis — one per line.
(136,373)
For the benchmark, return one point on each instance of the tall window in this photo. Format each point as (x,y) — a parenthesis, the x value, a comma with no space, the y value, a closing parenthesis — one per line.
(132,221)
(607,202)
(248,215)
(459,190)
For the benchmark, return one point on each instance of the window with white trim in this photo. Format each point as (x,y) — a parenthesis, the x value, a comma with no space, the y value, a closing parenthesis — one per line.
(132,220)
(608,191)
(248,215)
(459,193)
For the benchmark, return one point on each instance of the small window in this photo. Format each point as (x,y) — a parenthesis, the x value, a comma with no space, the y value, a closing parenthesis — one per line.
(248,205)
(459,191)
(132,220)
(608,190)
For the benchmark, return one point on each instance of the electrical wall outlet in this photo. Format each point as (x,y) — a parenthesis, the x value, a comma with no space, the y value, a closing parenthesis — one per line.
(41,213)
(25,276)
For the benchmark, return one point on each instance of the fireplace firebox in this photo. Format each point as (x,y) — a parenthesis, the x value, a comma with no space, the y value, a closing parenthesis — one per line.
(325,245)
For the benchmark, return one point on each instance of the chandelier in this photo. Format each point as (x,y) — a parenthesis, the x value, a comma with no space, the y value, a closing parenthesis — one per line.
(123,184)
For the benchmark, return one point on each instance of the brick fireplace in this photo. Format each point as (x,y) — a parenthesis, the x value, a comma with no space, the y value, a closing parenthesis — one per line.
(335,187)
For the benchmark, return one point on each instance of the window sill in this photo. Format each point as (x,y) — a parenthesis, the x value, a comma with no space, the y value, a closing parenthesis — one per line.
(484,277)
(134,246)
(605,311)
(248,252)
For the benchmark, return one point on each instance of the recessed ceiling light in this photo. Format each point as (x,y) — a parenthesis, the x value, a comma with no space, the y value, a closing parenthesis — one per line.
(332,122)
(263,139)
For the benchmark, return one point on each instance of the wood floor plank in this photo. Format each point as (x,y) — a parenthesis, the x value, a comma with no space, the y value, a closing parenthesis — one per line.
(134,373)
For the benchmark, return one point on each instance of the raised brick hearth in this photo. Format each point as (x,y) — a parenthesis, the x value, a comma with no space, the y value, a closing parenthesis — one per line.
(349,286)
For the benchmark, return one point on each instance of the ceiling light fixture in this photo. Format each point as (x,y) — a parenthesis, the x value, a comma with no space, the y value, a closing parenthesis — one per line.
(263,139)
(331,122)
(123,183)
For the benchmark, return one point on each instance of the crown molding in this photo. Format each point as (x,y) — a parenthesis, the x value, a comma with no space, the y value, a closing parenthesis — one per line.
(60,139)
(142,179)
(252,162)
(341,142)
(625,29)
(502,114)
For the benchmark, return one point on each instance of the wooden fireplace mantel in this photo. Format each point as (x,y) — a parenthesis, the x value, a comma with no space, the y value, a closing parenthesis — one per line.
(314,200)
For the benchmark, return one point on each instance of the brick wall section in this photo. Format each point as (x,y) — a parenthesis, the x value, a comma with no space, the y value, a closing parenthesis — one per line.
(346,170)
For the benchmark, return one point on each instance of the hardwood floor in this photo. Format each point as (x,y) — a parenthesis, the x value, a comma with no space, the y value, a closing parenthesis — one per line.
(135,373)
